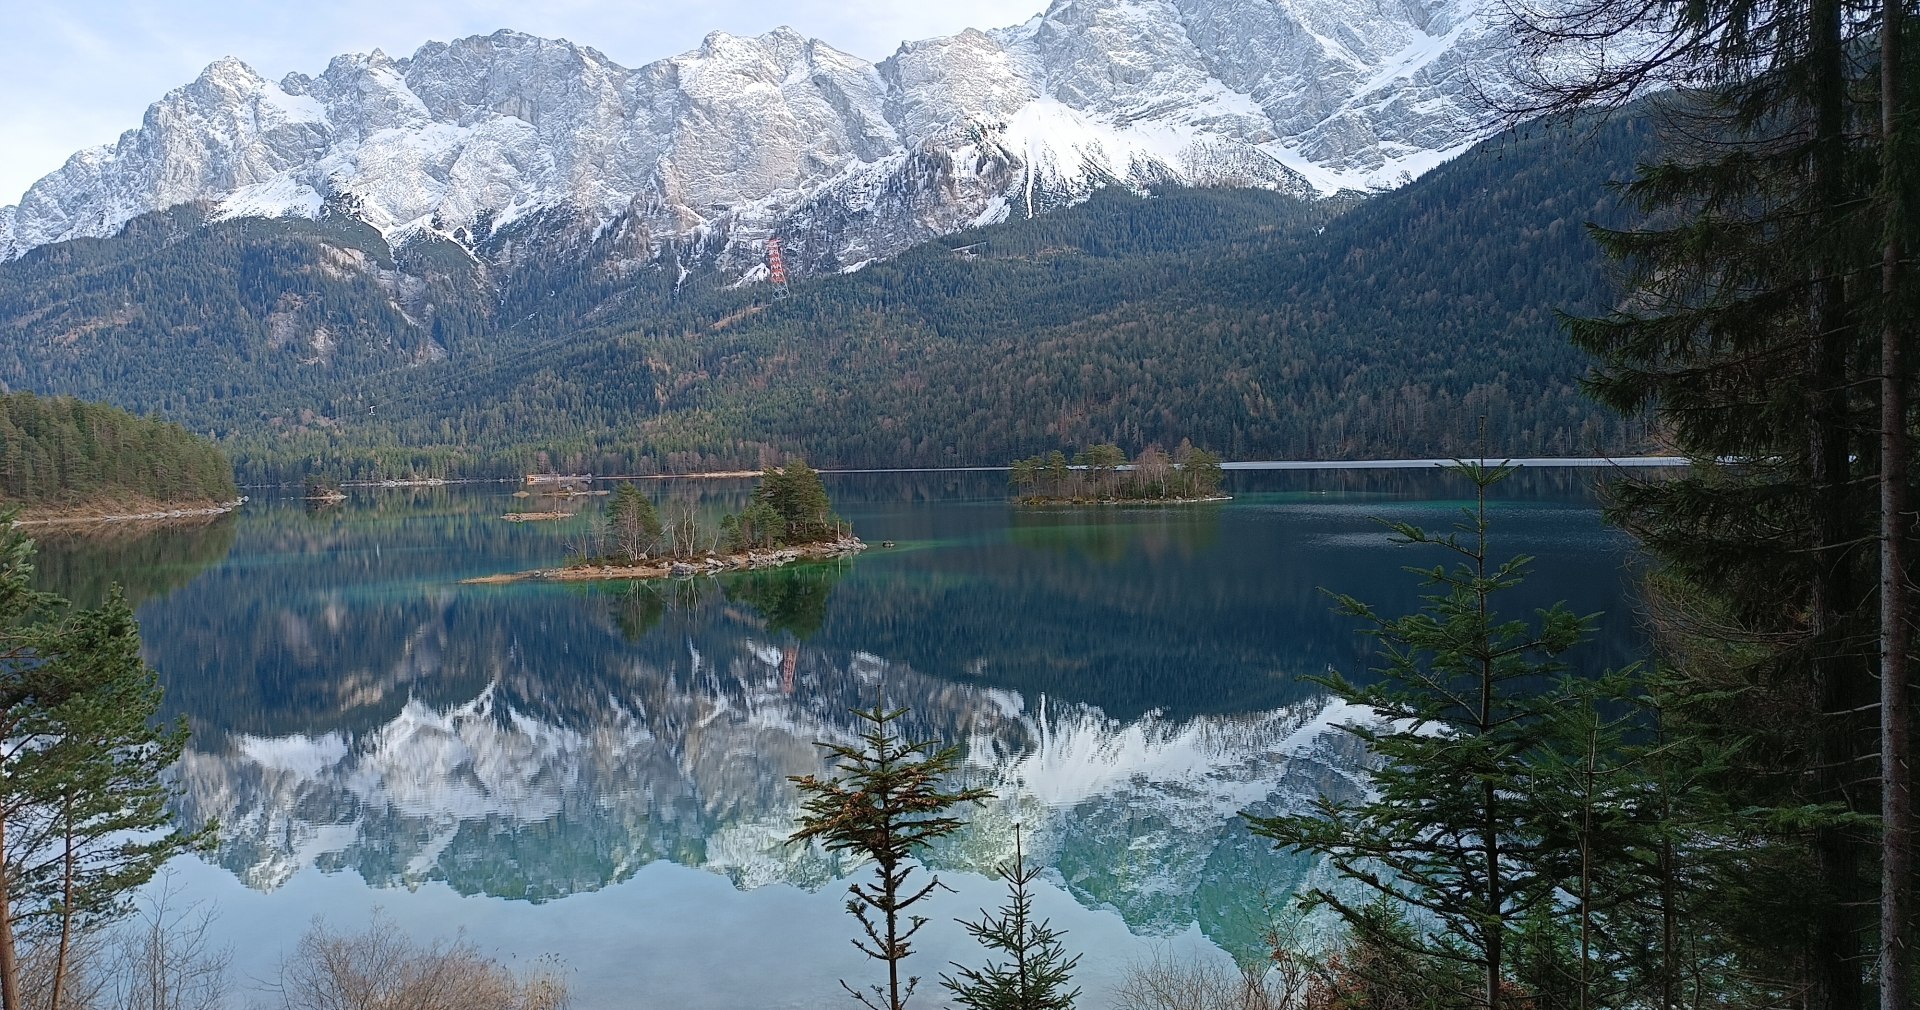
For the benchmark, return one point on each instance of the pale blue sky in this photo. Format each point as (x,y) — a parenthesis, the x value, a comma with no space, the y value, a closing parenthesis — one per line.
(75,73)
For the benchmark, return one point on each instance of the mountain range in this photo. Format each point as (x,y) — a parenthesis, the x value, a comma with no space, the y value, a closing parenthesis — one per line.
(1270,226)
(486,140)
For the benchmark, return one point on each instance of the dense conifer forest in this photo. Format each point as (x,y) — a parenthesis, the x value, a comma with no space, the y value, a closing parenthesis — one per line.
(60,452)
(1252,322)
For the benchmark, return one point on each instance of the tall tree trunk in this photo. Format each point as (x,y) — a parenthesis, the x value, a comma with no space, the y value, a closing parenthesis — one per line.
(1836,982)
(1489,796)
(11,998)
(1896,783)
(1586,865)
(893,955)
(1497,927)
(66,908)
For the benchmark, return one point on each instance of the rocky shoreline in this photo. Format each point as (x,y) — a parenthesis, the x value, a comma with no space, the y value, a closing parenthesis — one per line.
(535,517)
(681,568)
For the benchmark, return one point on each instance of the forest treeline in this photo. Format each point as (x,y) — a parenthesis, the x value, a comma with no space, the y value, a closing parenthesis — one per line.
(60,451)
(1252,322)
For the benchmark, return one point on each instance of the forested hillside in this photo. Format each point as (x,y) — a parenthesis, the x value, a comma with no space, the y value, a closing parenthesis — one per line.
(60,452)
(184,318)
(1249,321)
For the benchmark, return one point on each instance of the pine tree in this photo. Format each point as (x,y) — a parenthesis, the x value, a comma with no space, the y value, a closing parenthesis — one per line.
(633,522)
(1451,826)
(886,802)
(1202,473)
(1037,970)
(83,818)
(1746,333)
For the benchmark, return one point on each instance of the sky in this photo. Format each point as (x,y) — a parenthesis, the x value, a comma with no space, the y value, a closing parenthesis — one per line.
(77,73)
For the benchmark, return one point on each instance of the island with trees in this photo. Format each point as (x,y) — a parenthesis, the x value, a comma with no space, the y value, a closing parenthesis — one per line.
(788,519)
(1102,475)
(67,460)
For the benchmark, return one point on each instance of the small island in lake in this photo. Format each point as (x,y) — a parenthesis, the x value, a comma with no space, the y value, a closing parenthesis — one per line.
(322,490)
(789,519)
(1102,475)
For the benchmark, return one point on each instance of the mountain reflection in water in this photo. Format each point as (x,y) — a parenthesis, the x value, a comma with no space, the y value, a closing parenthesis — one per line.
(685,758)
(1127,679)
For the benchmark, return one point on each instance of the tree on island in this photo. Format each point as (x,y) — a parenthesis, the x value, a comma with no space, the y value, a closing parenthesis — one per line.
(886,802)
(790,507)
(633,523)
(83,807)
(322,488)
(1153,471)
(1200,474)
(1102,463)
(1102,473)
(58,451)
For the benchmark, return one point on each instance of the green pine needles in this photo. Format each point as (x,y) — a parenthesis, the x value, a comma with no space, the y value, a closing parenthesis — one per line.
(887,802)
(1037,971)
(83,799)
(1451,826)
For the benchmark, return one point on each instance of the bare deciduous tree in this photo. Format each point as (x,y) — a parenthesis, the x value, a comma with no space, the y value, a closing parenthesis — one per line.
(164,958)
(382,968)
(1167,983)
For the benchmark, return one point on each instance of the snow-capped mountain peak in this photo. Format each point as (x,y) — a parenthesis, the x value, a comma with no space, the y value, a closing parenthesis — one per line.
(747,137)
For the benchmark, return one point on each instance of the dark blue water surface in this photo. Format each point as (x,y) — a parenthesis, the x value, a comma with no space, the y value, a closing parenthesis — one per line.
(598,772)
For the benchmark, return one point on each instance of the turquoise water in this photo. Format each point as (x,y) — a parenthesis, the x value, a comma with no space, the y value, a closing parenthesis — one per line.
(598,772)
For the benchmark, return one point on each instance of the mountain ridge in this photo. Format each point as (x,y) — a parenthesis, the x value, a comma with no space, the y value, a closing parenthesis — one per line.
(779,135)
(1255,324)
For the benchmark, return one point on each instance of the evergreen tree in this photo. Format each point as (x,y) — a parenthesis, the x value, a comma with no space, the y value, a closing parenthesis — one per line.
(887,802)
(1747,333)
(1058,475)
(1450,825)
(797,496)
(1201,470)
(83,818)
(1037,971)
(633,522)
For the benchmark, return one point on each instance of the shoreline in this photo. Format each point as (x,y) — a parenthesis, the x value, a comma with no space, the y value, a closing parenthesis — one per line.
(704,475)
(1542,462)
(1083,502)
(70,518)
(537,517)
(410,482)
(712,564)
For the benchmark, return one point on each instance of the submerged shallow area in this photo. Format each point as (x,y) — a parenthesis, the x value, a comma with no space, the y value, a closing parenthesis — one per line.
(598,771)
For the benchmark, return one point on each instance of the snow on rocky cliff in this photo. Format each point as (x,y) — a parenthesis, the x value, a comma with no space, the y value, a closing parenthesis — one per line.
(746,138)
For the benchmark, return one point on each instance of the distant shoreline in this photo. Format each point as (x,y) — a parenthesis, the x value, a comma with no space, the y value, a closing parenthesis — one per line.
(1039,502)
(1421,464)
(1541,462)
(83,515)
(1545,462)
(704,475)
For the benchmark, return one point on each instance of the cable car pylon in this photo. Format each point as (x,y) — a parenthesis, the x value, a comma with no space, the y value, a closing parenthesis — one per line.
(776,269)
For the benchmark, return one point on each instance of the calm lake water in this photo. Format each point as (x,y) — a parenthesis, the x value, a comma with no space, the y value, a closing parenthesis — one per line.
(598,773)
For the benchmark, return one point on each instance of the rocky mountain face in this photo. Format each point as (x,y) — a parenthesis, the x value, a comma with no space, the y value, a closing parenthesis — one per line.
(503,141)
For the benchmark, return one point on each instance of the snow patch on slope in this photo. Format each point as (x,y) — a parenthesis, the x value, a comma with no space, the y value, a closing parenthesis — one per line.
(749,137)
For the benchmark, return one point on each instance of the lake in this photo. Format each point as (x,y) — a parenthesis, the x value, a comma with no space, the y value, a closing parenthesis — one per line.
(596,774)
